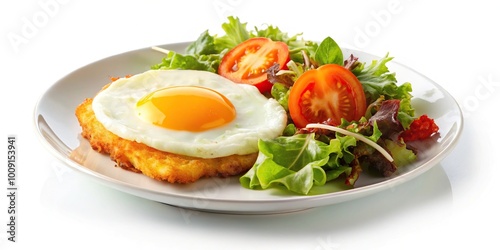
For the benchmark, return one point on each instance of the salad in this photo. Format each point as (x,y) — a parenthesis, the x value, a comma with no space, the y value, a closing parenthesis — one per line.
(345,116)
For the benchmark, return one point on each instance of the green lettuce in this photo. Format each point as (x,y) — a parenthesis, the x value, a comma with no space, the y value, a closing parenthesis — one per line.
(206,52)
(295,43)
(402,155)
(174,60)
(378,81)
(299,162)
(281,93)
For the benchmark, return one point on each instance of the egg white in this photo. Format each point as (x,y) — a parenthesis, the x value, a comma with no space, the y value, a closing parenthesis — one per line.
(257,117)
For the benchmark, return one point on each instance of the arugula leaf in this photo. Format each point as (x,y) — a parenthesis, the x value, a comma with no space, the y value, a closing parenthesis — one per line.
(329,52)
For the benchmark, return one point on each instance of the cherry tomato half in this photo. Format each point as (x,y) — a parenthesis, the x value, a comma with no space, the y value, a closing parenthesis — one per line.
(248,61)
(328,92)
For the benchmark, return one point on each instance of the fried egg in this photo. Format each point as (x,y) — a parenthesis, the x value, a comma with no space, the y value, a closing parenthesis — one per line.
(189,112)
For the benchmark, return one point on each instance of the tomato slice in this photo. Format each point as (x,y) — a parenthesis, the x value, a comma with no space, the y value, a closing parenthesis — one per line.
(248,61)
(328,92)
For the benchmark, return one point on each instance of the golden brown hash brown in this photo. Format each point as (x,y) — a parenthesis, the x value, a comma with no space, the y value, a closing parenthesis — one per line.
(154,163)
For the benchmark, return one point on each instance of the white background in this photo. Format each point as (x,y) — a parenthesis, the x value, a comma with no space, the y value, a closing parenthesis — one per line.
(455,205)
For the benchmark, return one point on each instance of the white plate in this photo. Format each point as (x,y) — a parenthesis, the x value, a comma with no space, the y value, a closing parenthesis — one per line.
(59,131)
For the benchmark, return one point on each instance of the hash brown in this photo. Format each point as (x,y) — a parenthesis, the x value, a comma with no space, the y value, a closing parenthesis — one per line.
(154,163)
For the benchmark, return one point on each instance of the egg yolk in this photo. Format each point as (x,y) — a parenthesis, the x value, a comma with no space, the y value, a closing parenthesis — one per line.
(189,108)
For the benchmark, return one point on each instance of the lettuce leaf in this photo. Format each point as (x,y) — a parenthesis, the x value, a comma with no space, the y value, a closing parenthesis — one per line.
(204,45)
(281,93)
(378,81)
(174,60)
(401,154)
(298,163)
(206,52)
(295,43)
(235,33)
